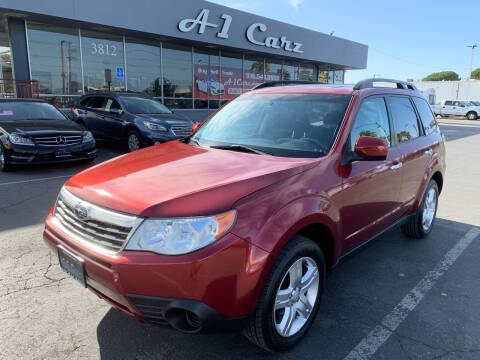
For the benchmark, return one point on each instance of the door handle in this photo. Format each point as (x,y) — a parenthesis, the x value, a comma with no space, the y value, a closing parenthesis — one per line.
(428,152)
(396,166)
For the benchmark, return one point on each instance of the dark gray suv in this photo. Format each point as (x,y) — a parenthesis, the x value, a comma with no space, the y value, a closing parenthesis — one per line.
(134,118)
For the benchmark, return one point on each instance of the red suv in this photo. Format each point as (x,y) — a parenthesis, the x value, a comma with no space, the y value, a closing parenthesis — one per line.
(237,225)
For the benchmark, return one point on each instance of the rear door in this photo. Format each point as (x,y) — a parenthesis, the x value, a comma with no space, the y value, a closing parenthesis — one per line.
(113,122)
(92,119)
(413,146)
(448,108)
(371,188)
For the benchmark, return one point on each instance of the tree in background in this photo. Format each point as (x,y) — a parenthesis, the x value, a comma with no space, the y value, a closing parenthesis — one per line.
(475,74)
(442,75)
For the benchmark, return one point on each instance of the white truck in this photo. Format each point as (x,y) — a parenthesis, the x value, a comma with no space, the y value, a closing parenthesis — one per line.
(457,108)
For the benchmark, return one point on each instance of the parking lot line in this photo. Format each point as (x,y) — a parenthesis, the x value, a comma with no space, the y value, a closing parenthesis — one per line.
(380,334)
(34,180)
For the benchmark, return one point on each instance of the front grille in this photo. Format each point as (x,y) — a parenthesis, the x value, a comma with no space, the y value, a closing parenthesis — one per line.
(152,309)
(59,140)
(182,130)
(104,230)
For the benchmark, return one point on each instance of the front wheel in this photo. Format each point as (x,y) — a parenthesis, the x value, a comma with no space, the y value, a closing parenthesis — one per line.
(421,225)
(4,166)
(472,115)
(290,297)
(134,141)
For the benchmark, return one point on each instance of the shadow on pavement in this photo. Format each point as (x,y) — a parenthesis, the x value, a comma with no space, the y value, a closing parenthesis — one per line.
(359,293)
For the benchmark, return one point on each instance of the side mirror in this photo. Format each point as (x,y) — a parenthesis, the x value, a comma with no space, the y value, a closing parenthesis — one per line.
(195,127)
(371,148)
(117,112)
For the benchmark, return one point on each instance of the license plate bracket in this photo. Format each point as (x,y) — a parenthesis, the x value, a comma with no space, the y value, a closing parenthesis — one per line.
(62,153)
(72,265)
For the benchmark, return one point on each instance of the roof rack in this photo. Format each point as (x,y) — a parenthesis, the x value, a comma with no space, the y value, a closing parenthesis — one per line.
(369,83)
(285,83)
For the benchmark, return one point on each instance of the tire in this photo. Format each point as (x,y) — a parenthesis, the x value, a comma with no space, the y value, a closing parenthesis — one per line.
(265,324)
(134,141)
(415,226)
(4,166)
(472,115)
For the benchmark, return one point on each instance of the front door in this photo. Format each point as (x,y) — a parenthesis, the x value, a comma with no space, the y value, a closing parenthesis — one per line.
(370,190)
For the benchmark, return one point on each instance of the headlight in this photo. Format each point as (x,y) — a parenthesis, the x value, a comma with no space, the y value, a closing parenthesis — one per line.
(88,137)
(178,236)
(20,140)
(154,126)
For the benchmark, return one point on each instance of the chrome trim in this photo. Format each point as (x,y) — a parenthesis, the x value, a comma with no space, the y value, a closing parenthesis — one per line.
(89,231)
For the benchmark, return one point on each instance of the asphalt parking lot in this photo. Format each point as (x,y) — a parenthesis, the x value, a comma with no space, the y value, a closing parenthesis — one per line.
(398,298)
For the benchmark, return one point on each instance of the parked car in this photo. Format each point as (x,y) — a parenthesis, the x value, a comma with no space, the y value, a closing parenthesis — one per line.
(34,132)
(238,225)
(134,118)
(457,108)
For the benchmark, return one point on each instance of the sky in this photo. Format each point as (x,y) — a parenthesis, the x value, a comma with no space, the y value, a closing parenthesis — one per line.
(407,39)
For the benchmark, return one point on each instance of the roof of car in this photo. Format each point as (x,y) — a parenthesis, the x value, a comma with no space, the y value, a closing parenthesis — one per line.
(308,89)
(117,93)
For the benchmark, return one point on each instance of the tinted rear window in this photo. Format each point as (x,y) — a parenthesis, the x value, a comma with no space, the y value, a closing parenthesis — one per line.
(23,110)
(428,120)
(404,118)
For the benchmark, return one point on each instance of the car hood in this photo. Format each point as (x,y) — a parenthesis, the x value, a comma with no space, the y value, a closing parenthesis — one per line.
(31,127)
(177,179)
(169,118)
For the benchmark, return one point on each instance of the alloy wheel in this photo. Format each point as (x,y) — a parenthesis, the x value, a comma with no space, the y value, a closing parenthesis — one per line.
(429,208)
(296,297)
(2,159)
(133,142)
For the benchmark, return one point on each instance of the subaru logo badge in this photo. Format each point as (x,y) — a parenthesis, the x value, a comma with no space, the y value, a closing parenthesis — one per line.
(61,140)
(81,212)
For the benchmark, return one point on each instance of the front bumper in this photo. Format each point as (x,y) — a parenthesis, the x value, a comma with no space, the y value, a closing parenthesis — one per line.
(216,286)
(21,154)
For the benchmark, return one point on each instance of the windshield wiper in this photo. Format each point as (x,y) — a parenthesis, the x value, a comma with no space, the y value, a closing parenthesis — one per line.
(242,148)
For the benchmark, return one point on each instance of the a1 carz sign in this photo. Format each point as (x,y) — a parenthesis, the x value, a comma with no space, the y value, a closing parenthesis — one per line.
(253,32)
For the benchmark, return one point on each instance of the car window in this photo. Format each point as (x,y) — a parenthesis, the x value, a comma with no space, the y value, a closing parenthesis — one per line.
(449,103)
(404,118)
(426,116)
(141,105)
(96,102)
(112,104)
(371,120)
(288,125)
(25,110)
(84,102)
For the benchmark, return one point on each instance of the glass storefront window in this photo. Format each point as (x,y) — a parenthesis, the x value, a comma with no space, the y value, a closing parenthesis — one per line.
(207,85)
(177,76)
(253,72)
(338,77)
(102,61)
(306,72)
(6,87)
(290,71)
(231,76)
(55,58)
(273,70)
(143,67)
(330,77)
(322,76)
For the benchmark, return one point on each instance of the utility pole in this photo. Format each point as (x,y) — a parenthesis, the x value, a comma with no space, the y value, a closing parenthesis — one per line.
(471,69)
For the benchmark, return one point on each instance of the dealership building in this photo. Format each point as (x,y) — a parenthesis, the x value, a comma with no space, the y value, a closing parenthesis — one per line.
(190,54)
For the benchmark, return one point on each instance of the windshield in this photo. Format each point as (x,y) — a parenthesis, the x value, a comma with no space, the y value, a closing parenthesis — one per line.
(139,105)
(288,125)
(24,110)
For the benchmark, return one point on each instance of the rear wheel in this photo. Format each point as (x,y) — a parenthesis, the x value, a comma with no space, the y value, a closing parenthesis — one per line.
(290,298)
(134,141)
(420,225)
(472,115)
